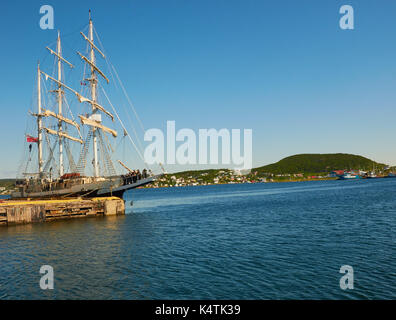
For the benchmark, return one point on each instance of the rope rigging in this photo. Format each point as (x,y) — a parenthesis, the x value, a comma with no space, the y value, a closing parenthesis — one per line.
(56,124)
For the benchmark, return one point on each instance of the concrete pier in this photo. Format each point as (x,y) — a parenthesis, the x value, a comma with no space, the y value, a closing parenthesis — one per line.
(29,211)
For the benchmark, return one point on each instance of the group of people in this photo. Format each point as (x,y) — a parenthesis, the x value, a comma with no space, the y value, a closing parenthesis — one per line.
(134,176)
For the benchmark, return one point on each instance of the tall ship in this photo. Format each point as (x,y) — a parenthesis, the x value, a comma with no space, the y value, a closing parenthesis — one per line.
(75,150)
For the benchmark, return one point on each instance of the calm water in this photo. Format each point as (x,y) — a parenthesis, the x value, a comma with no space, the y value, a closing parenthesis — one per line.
(257,241)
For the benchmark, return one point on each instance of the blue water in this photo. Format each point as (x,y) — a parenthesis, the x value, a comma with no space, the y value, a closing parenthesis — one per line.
(251,241)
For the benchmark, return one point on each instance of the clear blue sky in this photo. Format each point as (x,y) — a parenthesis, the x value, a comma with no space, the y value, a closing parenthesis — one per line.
(282,68)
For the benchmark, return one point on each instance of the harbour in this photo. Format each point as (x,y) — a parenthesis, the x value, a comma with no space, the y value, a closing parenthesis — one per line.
(208,156)
(248,241)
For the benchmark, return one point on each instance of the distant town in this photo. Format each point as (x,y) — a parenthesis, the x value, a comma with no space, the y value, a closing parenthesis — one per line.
(226,177)
(302,167)
(234,177)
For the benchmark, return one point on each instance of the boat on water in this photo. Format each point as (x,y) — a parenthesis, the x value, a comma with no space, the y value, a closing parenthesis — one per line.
(348,176)
(391,175)
(371,175)
(57,129)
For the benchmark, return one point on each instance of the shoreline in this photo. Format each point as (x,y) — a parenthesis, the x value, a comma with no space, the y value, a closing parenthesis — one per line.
(235,183)
(256,182)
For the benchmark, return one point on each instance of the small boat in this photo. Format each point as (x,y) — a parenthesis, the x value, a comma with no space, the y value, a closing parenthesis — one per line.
(391,175)
(349,175)
(372,175)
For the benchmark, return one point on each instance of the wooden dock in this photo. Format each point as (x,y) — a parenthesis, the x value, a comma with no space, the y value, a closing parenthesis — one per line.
(29,211)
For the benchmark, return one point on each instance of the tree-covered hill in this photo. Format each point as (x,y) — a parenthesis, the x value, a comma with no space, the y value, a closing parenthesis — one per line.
(316,163)
(7,182)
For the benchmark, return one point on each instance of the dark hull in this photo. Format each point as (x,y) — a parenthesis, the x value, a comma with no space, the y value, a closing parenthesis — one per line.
(119,192)
(113,187)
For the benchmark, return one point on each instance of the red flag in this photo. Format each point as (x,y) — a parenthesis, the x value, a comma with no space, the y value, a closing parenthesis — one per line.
(31,139)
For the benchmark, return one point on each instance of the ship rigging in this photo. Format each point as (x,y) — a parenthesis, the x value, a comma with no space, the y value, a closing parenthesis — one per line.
(62,127)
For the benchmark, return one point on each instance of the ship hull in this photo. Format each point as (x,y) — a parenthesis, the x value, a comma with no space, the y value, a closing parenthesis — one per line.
(112,187)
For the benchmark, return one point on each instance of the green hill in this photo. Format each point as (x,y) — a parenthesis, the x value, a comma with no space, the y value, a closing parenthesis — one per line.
(7,183)
(307,164)
(317,163)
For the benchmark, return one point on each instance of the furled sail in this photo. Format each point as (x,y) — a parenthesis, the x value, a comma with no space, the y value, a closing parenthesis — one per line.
(48,113)
(79,96)
(96,124)
(62,134)
(92,44)
(93,66)
(60,57)
(94,104)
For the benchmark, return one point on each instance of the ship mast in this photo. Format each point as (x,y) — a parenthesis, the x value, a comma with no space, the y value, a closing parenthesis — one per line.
(39,123)
(47,113)
(93,95)
(94,120)
(60,98)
